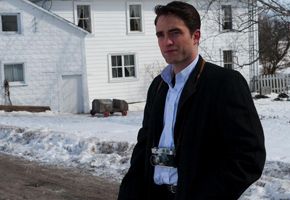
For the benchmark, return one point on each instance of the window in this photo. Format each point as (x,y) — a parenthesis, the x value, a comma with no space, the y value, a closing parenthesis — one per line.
(135,17)
(228,59)
(10,23)
(84,17)
(14,72)
(123,66)
(227,20)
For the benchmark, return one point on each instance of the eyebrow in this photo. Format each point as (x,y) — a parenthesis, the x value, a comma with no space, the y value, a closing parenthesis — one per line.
(174,29)
(159,33)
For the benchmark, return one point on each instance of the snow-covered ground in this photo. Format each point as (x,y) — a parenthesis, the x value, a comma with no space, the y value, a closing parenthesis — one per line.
(104,145)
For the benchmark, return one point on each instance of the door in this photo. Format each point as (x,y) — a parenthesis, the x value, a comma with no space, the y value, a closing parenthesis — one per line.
(72,94)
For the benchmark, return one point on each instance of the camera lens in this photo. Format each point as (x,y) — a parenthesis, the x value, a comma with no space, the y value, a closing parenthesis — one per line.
(156,160)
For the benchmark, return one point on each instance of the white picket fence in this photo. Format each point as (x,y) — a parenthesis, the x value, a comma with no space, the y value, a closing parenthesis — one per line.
(277,83)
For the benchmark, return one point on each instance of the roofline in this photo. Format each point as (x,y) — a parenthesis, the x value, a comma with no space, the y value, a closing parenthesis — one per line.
(55,16)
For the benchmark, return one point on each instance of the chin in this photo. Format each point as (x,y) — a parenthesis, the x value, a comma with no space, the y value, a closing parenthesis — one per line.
(170,61)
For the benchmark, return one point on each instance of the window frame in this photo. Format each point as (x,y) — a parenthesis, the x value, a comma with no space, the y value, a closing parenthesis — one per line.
(228,64)
(123,77)
(15,83)
(76,15)
(18,17)
(224,18)
(129,31)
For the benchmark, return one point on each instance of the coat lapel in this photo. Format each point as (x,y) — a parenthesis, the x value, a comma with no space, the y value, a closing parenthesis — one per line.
(158,111)
(190,85)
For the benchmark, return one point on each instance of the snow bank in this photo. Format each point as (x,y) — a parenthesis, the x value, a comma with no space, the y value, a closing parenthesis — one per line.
(103,146)
(102,158)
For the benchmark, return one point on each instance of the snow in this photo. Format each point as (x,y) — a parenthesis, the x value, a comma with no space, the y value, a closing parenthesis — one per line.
(103,146)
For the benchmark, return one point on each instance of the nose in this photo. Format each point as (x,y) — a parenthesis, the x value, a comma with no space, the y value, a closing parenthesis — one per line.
(168,41)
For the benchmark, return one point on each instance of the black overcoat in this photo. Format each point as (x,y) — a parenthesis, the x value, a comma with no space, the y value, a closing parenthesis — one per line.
(218,136)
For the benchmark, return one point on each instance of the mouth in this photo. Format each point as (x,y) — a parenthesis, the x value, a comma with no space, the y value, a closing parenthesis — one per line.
(170,51)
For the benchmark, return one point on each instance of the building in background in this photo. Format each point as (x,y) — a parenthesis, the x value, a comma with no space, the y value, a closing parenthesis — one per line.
(115,56)
(43,57)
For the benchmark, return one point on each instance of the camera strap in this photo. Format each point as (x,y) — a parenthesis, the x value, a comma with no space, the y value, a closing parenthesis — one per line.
(194,88)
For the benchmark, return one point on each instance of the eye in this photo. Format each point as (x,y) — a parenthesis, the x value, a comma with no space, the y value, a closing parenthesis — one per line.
(159,35)
(175,33)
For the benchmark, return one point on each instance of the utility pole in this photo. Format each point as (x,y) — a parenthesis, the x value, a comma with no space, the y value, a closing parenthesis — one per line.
(253,43)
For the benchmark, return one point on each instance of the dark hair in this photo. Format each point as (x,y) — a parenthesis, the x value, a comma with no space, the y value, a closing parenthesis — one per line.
(186,12)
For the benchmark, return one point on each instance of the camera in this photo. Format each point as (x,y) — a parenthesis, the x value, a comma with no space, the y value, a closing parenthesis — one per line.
(163,157)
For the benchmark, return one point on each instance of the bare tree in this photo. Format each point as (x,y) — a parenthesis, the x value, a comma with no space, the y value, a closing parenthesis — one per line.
(278,7)
(7,100)
(247,23)
(274,43)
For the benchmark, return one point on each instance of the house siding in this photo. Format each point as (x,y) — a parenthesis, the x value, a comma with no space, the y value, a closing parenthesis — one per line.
(214,41)
(49,48)
(110,36)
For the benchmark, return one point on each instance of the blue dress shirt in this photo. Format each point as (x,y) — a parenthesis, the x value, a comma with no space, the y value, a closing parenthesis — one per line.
(163,174)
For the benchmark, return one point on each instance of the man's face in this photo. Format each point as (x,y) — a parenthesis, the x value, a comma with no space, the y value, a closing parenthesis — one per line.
(178,46)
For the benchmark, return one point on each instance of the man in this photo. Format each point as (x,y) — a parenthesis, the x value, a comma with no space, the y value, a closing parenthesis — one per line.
(201,137)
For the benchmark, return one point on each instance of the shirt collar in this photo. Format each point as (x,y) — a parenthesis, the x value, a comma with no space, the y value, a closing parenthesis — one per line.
(180,77)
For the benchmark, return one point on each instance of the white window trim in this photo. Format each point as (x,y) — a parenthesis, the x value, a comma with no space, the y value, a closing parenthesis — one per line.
(128,17)
(19,26)
(122,79)
(15,83)
(78,3)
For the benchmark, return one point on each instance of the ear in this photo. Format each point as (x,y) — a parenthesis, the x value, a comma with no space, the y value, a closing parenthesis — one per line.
(196,37)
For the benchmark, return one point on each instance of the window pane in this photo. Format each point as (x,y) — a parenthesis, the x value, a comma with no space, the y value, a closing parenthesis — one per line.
(14,72)
(227,25)
(135,18)
(135,24)
(84,17)
(129,60)
(228,59)
(82,23)
(117,72)
(116,60)
(8,73)
(18,73)
(126,60)
(113,61)
(227,12)
(9,23)
(83,11)
(135,10)
(227,17)
(114,72)
(86,11)
(228,66)
(89,27)
(129,71)
(80,12)
(120,72)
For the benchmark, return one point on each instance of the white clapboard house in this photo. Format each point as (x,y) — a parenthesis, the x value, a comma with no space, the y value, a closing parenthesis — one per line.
(65,53)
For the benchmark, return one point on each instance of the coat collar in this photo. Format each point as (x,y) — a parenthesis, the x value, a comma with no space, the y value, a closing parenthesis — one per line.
(191,84)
